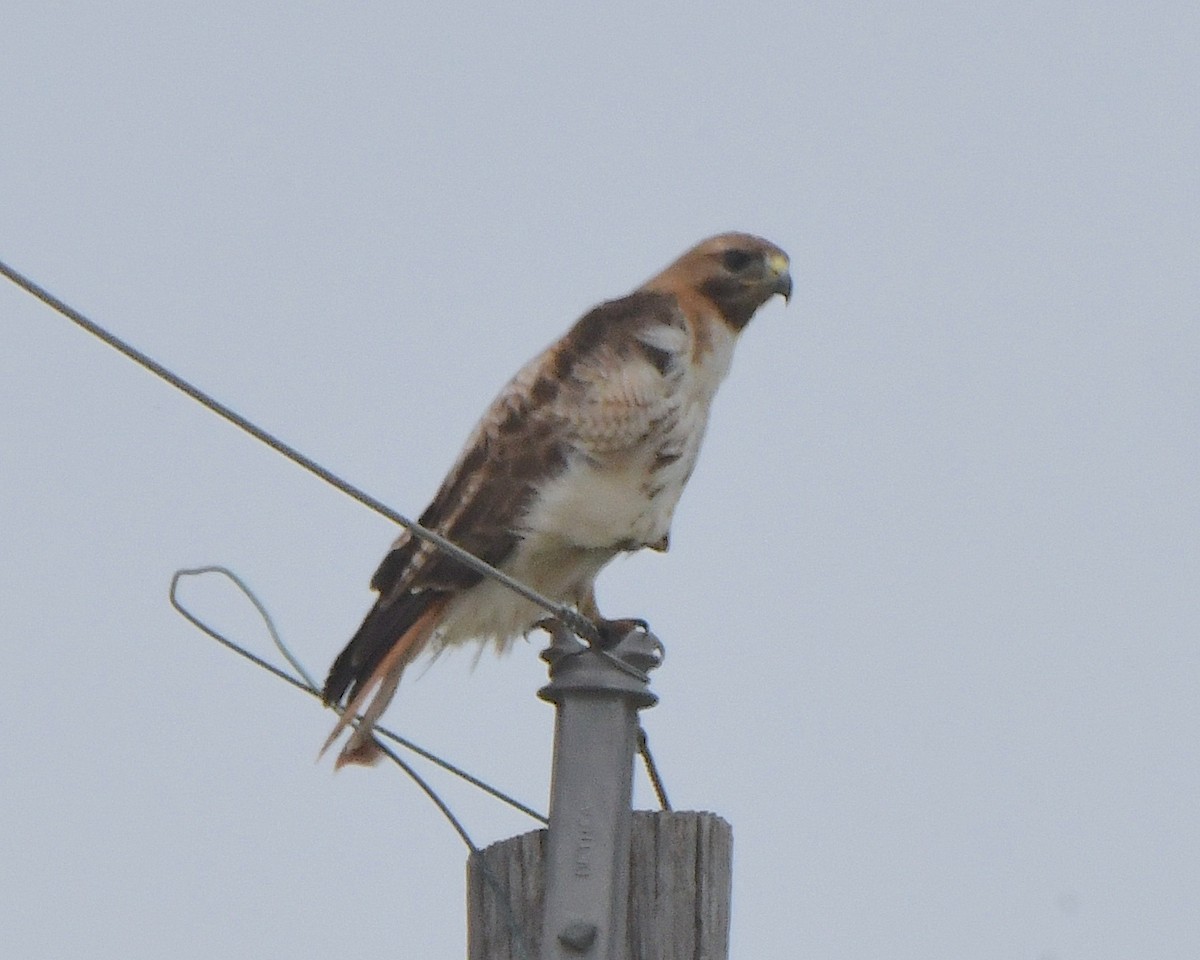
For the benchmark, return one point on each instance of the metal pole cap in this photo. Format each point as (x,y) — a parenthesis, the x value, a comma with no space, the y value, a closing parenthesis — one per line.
(619,668)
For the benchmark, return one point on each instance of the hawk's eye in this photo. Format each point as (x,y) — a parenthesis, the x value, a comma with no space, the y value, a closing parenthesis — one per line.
(737,260)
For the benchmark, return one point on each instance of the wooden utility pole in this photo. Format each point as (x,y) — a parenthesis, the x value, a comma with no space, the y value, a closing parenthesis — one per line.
(602,883)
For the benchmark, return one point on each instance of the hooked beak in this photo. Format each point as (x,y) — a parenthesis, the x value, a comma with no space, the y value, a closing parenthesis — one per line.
(778,266)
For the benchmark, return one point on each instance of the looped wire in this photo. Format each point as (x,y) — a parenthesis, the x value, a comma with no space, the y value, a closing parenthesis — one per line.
(306,684)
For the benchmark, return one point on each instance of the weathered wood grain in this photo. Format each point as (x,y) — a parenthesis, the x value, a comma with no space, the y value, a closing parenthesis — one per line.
(679,893)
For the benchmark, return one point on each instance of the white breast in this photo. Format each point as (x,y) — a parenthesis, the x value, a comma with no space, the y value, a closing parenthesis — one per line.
(624,497)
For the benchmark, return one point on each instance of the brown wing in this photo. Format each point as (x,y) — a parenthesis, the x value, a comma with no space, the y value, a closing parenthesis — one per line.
(477,507)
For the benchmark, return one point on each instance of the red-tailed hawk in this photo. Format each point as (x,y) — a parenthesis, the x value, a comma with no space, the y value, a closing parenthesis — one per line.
(582,456)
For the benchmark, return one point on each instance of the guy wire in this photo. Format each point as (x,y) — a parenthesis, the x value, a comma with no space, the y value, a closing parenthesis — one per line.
(577,622)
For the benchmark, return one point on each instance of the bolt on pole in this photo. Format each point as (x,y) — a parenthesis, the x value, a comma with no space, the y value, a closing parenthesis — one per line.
(597,694)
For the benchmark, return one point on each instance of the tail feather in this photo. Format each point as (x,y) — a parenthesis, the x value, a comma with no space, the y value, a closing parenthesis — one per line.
(381,628)
(371,666)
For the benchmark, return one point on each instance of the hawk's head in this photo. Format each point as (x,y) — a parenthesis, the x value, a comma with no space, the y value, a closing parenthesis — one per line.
(737,272)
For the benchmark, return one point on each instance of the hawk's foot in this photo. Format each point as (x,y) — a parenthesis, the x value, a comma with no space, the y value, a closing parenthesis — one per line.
(613,632)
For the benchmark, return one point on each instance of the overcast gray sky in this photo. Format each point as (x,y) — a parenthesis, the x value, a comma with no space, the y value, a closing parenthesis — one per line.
(932,600)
